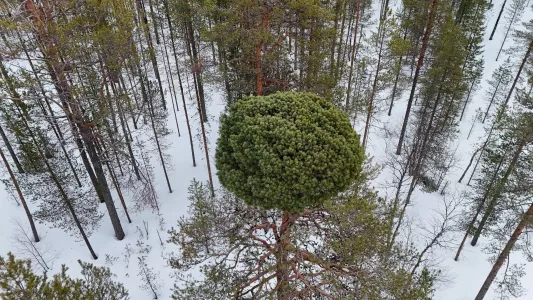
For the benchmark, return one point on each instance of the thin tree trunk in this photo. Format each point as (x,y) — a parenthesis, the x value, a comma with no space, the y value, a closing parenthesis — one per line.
(496,196)
(128,139)
(21,197)
(354,51)
(504,254)
(526,56)
(170,83)
(372,94)
(506,33)
(158,145)
(11,151)
(45,98)
(469,164)
(425,41)
(478,210)
(154,21)
(394,89)
(59,186)
(171,29)
(119,191)
(497,20)
(151,51)
(467,98)
(197,66)
(492,100)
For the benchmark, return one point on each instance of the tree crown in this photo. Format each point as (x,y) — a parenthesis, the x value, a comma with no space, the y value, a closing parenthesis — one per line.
(287,151)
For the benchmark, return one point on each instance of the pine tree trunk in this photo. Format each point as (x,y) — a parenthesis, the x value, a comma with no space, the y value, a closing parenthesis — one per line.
(354,51)
(171,29)
(158,145)
(504,254)
(21,197)
(492,100)
(196,61)
(119,190)
(497,20)
(372,94)
(151,50)
(507,33)
(395,87)
(170,81)
(281,254)
(425,41)
(496,196)
(478,210)
(526,56)
(59,186)
(154,21)
(128,139)
(467,98)
(10,150)
(469,164)
(206,148)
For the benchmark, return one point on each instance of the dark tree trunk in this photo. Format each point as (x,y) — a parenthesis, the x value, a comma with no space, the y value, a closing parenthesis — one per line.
(526,56)
(504,254)
(425,41)
(497,20)
(171,29)
(496,196)
(478,210)
(491,100)
(197,64)
(21,197)
(151,50)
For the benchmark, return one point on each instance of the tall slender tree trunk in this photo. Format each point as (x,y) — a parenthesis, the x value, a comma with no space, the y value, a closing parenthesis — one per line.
(59,186)
(21,197)
(154,21)
(158,145)
(524,60)
(151,50)
(491,100)
(469,164)
(176,61)
(197,64)
(467,98)
(128,139)
(170,81)
(354,51)
(373,93)
(395,87)
(425,41)
(282,262)
(11,151)
(478,210)
(504,254)
(507,33)
(494,198)
(497,20)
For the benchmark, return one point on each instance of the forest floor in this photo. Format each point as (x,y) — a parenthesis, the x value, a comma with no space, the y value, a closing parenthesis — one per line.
(462,279)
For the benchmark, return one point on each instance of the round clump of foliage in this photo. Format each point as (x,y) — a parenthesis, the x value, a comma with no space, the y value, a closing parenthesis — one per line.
(287,151)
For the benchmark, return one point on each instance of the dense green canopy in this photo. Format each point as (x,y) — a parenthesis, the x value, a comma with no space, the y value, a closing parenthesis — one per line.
(287,151)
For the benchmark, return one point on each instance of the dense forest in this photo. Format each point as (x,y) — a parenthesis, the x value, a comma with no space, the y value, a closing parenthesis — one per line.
(266,149)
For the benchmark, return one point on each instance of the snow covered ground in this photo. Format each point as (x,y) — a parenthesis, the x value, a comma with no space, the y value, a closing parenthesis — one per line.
(464,278)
